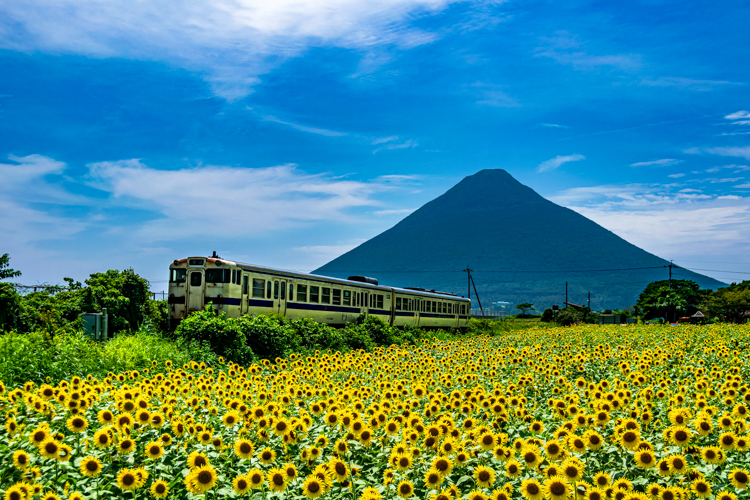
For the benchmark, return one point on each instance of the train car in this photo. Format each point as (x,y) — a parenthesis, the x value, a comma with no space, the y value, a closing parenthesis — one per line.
(238,288)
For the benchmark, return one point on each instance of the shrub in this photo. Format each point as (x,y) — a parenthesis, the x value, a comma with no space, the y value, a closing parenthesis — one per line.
(225,337)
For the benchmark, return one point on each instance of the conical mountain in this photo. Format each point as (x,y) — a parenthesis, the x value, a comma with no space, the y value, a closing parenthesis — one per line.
(522,248)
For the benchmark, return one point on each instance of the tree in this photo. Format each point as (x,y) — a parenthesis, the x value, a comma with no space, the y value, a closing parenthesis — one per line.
(524,307)
(124,294)
(667,299)
(548,315)
(5,271)
(731,302)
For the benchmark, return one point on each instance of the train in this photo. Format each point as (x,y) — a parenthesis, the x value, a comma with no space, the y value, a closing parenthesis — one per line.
(238,289)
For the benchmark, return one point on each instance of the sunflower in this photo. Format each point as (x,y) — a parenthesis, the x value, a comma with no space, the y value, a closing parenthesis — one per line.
(681,436)
(739,478)
(630,439)
(433,479)
(443,465)
(102,438)
(677,465)
(154,450)
(243,448)
(231,418)
(593,439)
(727,441)
(531,489)
(530,456)
(290,471)
(126,446)
(90,466)
(314,487)
(241,484)
(576,444)
(49,448)
(197,459)
(267,456)
(255,478)
(556,488)
(484,476)
(77,424)
(402,462)
(105,417)
(339,470)
(711,454)
(602,479)
(645,459)
(554,450)
(476,495)
(15,493)
(276,479)
(572,469)
(201,479)
(405,489)
(726,495)
(21,459)
(127,480)
(701,488)
(513,469)
(159,488)
(49,496)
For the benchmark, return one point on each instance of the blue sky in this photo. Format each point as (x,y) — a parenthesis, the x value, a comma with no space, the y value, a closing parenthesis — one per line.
(285,133)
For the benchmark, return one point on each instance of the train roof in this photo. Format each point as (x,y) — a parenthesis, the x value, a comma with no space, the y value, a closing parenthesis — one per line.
(415,291)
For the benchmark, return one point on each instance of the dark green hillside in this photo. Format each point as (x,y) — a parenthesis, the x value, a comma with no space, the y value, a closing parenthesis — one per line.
(469,225)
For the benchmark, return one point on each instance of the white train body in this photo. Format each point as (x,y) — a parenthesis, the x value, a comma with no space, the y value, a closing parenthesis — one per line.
(238,289)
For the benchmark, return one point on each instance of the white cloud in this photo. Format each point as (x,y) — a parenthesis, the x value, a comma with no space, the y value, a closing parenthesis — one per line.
(741,151)
(713,170)
(553,125)
(403,145)
(213,201)
(233,42)
(676,176)
(686,83)
(403,211)
(492,95)
(305,128)
(561,48)
(666,162)
(381,140)
(738,115)
(555,162)
(741,122)
(667,223)
(743,186)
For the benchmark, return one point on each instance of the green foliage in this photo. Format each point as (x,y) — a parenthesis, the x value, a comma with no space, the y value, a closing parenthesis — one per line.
(525,307)
(669,300)
(548,315)
(10,306)
(731,303)
(226,337)
(38,356)
(5,270)
(123,293)
(568,316)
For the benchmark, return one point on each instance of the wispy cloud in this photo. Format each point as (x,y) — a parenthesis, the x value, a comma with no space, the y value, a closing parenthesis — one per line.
(381,140)
(687,83)
(738,115)
(492,95)
(738,151)
(566,49)
(305,128)
(552,125)
(402,145)
(232,42)
(402,211)
(666,162)
(557,161)
(676,176)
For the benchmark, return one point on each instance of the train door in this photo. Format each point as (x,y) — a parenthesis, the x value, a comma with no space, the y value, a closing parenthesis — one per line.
(195,290)
(245,300)
(279,296)
(365,302)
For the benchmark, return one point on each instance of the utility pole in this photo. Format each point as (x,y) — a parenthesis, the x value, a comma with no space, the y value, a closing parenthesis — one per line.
(471,283)
(468,279)
(566,294)
(588,302)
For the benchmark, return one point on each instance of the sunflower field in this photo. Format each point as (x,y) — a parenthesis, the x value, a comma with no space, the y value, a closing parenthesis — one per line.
(580,413)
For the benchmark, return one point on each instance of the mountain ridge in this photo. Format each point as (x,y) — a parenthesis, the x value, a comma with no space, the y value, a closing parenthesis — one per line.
(548,246)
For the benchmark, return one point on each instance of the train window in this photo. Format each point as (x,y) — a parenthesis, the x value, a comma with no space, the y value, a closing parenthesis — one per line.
(218,276)
(372,300)
(177,275)
(301,293)
(398,303)
(379,304)
(325,295)
(268,289)
(195,279)
(291,291)
(234,276)
(314,294)
(434,306)
(336,297)
(275,289)
(244,285)
(258,286)
(347,298)
(463,308)
(195,262)
(283,291)
(450,308)
(445,308)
